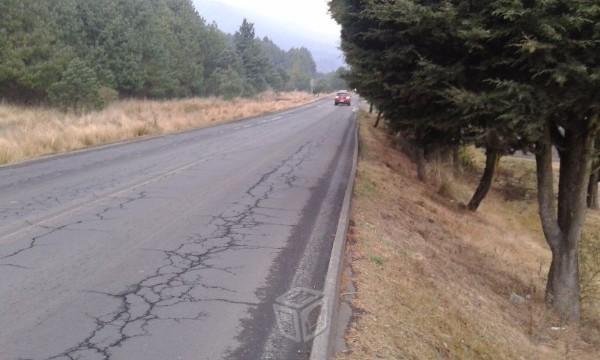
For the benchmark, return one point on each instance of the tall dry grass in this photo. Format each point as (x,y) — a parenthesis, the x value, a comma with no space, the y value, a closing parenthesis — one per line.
(29,132)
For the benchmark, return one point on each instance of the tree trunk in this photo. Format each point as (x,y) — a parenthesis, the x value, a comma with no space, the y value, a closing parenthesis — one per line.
(378,119)
(563,290)
(492,157)
(370,108)
(592,196)
(546,203)
(562,228)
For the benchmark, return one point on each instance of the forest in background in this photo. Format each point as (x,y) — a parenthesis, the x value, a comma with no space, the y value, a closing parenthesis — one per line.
(87,53)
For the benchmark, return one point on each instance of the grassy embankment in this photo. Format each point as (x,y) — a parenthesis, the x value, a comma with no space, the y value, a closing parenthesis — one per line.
(28,132)
(434,281)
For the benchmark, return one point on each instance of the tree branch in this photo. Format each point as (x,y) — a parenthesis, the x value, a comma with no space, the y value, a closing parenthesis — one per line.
(546,199)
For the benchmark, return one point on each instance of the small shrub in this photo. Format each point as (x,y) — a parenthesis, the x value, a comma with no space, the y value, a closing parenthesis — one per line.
(107,95)
(467,156)
(377,260)
(454,191)
(78,88)
(446,189)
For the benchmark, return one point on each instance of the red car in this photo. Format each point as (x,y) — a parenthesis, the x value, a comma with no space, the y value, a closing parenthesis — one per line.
(343,97)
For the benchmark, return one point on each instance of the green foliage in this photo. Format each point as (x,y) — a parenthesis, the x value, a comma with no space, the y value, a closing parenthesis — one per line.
(226,82)
(139,48)
(506,74)
(321,86)
(31,59)
(331,82)
(377,260)
(403,56)
(78,88)
(256,67)
(107,95)
(452,71)
(299,80)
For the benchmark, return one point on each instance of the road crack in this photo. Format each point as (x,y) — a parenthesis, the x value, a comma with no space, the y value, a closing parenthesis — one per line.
(180,278)
(34,241)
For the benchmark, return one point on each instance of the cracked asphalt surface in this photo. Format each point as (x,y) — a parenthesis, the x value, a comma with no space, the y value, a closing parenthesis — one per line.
(173,247)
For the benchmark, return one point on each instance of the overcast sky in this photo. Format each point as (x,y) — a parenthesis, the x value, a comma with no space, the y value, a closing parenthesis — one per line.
(309,16)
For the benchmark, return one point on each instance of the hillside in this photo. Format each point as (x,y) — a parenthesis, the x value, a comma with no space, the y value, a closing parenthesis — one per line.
(435,281)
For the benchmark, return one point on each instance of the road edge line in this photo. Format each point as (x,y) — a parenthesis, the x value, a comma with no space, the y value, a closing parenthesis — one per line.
(322,348)
(144,138)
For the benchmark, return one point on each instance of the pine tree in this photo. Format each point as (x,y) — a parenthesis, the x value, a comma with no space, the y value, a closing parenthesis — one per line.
(254,62)
(78,87)
(226,82)
(31,56)
(503,74)
(139,48)
(554,52)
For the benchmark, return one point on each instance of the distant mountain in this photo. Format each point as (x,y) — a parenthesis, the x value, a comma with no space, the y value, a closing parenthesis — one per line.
(325,52)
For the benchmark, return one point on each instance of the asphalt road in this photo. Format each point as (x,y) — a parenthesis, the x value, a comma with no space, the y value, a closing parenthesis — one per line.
(174,247)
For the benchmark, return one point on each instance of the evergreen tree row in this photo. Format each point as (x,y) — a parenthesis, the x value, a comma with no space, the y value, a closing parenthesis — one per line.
(85,53)
(505,75)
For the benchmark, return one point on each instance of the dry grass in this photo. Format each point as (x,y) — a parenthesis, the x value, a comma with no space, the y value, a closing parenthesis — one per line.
(27,132)
(590,269)
(434,281)
(516,183)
